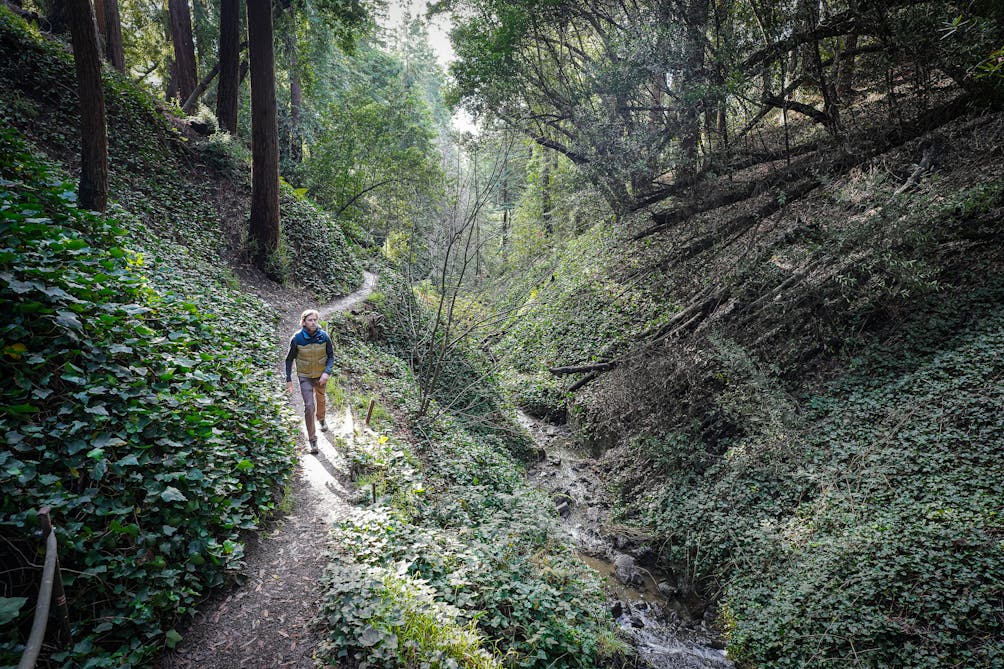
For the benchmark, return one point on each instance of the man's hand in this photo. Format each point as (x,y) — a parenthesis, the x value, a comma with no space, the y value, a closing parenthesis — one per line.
(323,379)
(289,387)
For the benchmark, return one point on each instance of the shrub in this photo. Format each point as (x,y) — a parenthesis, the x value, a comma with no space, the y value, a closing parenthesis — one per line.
(139,418)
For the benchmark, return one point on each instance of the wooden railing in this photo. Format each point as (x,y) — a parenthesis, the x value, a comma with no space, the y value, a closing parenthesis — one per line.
(50,592)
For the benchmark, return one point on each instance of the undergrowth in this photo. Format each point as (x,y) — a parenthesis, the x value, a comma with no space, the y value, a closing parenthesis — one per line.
(194,193)
(457,562)
(819,451)
(135,409)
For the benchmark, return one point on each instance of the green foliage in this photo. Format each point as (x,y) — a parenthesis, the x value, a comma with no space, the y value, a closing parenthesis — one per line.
(229,156)
(458,560)
(320,257)
(864,532)
(152,174)
(136,415)
(386,618)
(575,310)
(374,161)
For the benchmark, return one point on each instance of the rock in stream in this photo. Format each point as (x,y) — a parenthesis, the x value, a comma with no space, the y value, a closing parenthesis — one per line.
(660,626)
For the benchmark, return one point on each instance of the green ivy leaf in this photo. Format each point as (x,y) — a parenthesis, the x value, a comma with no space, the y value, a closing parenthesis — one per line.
(172,494)
(10,607)
(171,638)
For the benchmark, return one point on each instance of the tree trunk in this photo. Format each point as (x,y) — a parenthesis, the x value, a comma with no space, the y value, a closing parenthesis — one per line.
(845,67)
(264,227)
(228,85)
(99,22)
(56,15)
(184,47)
(113,36)
(505,222)
(93,134)
(545,192)
(172,81)
(690,121)
(805,56)
(295,101)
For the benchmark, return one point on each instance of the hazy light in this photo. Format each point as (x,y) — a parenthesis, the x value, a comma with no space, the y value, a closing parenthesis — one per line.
(439,41)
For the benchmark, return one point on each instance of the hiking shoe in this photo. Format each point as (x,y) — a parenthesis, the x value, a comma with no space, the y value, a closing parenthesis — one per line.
(324,425)
(313,448)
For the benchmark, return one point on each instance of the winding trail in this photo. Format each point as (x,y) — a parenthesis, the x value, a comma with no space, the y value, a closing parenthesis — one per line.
(267,622)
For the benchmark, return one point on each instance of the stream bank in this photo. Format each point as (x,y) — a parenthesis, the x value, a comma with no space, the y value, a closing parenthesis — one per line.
(668,627)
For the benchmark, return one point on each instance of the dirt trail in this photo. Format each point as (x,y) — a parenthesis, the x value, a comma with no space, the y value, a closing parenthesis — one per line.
(267,621)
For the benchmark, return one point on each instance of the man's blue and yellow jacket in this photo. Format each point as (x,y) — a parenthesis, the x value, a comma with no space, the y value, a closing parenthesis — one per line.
(313,353)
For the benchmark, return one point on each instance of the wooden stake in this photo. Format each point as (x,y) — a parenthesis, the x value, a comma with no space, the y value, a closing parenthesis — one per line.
(369,412)
(58,594)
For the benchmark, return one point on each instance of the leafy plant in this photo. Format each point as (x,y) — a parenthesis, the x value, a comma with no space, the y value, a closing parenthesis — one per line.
(137,416)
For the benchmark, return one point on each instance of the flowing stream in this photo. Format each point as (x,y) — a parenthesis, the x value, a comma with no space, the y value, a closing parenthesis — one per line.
(666,628)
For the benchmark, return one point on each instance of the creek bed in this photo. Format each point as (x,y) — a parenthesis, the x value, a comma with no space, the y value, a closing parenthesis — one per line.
(666,628)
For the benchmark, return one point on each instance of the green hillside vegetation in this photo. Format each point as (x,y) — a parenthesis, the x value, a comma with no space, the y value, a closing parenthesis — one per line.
(779,331)
(139,397)
(458,558)
(142,410)
(803,415)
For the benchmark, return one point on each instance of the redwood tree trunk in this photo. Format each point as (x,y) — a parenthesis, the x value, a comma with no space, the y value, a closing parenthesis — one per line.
(93,135)
(113,35)
(99,22)
(228,84)
(264,133)
(295,104)
(184,47)
(56,13)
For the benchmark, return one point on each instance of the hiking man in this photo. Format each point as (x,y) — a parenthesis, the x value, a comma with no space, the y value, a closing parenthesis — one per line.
(315,356)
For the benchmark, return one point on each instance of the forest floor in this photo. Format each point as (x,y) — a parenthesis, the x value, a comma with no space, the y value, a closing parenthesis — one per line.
(268,620)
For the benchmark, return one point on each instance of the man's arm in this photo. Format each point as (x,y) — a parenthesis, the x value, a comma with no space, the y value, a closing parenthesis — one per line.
(290,357)
(329,349)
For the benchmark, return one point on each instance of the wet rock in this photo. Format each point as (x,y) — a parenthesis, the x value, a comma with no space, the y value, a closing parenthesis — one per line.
(627,571)
(667,589)
(617,608)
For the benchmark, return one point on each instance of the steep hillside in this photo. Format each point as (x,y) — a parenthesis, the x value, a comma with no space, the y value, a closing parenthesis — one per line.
(794,370)
(184,187)
(139,399)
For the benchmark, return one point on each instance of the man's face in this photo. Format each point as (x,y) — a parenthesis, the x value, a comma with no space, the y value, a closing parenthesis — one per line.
(310,322)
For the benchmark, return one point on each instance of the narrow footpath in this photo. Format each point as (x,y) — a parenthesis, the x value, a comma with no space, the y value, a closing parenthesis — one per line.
(267,621)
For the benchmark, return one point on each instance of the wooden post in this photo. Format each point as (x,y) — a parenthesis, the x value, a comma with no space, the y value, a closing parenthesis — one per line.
(373,491)
(369,412)
(58,594)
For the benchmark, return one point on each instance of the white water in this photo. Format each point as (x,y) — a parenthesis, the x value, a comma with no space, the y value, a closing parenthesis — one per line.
(663,632)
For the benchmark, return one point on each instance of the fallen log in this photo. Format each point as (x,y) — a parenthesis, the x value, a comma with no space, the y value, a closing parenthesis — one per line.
(578,369)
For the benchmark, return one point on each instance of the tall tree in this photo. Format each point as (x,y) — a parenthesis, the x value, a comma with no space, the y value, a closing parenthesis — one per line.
(93,192)
(56,14)
(186,75)
(692,80)
(295,93)
(113,35)
(228,85)
(264,226)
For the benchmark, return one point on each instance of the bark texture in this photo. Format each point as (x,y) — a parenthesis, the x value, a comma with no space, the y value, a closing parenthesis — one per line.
(229,81)
(93,192)
(264,133)
(113,35)
(184,47)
